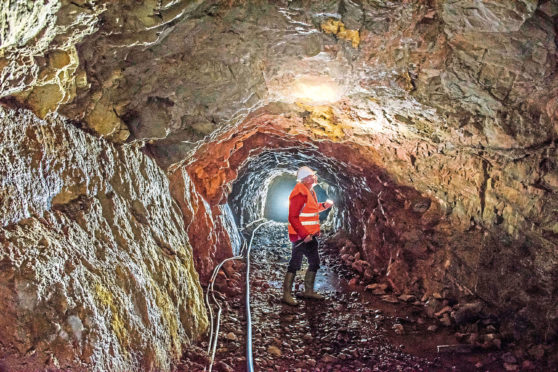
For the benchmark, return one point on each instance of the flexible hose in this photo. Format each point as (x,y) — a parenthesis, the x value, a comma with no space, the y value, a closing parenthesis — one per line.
(249,359)
(210,289)
(213,339)
(215,323)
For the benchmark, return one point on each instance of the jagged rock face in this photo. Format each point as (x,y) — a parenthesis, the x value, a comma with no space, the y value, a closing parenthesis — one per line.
(179,70)
(38,59)
(423,242)
(211,228)
(447,106)
(96,269)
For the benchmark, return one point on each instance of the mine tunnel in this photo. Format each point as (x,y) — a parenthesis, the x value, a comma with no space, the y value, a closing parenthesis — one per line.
(149,151)
(264,184)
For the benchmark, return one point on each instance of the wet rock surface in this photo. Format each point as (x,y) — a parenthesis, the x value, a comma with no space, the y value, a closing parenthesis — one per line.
(352,330)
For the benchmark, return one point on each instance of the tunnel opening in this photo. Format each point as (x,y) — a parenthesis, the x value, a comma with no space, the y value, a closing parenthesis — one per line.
(264,183)
(378,227)
(277,200)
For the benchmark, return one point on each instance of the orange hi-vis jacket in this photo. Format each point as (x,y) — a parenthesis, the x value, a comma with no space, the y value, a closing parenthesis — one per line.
(310,213)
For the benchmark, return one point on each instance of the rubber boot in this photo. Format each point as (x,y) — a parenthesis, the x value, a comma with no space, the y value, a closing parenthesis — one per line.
(287,289)
(309,279)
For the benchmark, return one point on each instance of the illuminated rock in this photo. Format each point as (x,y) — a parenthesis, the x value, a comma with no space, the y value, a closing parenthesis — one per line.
(434,123)
(97,271)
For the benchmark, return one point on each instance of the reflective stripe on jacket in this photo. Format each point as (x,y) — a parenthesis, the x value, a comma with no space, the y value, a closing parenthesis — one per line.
(310,214)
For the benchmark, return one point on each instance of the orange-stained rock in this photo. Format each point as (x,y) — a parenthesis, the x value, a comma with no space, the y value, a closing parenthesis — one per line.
(204,225)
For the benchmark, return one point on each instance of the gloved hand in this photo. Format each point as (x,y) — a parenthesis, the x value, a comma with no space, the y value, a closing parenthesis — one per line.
(328,203)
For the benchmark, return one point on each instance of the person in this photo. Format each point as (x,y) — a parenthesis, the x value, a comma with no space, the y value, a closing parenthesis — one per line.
(304,226)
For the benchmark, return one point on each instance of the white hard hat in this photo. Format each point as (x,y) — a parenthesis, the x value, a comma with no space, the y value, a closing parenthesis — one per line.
(304,172)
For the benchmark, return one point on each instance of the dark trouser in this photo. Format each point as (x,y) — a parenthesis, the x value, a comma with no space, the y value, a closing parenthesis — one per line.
(310,250)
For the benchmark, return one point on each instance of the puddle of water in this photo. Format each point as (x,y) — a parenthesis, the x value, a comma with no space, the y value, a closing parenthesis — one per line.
(328,281)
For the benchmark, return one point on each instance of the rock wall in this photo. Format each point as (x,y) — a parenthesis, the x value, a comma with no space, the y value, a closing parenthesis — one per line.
(38,43)
(471,234)
(96,270)
(456,100)
(211,231)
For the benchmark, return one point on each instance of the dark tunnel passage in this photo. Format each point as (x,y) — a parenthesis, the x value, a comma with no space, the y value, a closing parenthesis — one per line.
(371,213)
(265,182)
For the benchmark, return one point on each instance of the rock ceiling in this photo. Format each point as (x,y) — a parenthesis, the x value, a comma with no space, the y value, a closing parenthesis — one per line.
(412,80)
(475,73)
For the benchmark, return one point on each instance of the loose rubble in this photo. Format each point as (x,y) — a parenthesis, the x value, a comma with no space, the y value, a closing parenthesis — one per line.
(355,329)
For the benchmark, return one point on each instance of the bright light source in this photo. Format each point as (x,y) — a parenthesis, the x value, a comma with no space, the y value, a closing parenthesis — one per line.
(277,200)
(316,90)
(373,125)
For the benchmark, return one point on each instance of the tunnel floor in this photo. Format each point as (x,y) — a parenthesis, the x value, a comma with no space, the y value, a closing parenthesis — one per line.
(352,330)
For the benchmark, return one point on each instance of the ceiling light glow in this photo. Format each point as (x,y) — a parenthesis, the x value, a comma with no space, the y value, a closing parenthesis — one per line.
(317,90)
